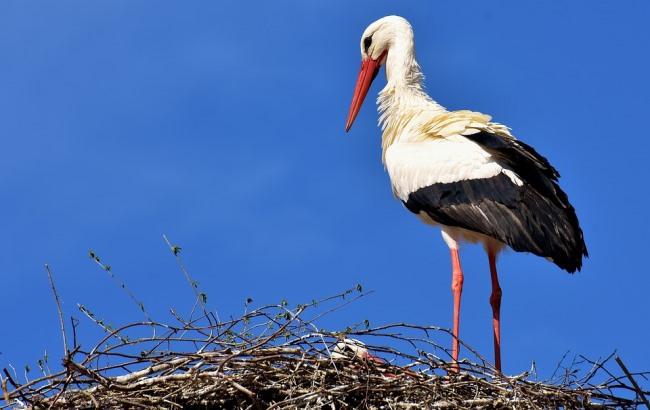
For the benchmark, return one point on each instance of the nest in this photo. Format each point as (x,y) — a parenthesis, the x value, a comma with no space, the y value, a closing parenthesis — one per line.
(275,357)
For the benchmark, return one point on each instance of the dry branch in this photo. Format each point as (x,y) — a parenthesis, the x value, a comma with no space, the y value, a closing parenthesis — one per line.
(58,308)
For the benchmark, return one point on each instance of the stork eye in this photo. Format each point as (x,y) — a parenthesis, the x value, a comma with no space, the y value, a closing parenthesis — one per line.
(367,42)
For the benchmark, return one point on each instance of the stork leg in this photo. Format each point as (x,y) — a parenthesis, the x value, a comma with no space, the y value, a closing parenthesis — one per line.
(495,301)
(457,290)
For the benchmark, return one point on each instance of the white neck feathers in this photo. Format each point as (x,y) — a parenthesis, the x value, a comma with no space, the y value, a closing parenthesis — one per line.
(403,101)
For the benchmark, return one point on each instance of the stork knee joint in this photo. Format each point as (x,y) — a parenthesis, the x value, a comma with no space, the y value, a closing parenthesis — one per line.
(457,282)
(495,297)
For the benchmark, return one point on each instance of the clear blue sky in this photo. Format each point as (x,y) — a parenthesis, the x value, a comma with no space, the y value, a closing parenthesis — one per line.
(221,125)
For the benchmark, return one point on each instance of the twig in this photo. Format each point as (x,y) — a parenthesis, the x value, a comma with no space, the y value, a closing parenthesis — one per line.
(247,392)
(58,309)
(73,323)
(5,391)
(107,328)
(639,392)
(16,386)
(200,296)
(109,271)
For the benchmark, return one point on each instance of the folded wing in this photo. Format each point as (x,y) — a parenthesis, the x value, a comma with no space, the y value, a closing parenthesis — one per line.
(478,177)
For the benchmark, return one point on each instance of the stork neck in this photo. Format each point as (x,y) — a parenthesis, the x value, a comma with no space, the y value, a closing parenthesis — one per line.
(404,90)
(401,67)
(403,103)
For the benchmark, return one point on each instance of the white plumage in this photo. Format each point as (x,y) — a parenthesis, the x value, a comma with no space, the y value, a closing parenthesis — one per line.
(415,165)
(350,348)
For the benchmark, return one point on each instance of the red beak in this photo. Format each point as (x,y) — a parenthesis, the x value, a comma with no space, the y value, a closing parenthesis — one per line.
(368,72)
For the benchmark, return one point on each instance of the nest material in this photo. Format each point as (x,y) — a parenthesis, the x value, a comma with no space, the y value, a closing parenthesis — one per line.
(276,357)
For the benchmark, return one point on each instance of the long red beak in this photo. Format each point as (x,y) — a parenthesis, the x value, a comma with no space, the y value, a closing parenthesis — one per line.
(368,72)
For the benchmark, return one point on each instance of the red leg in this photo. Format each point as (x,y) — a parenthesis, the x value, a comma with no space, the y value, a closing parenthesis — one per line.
(457,290)
(495,301)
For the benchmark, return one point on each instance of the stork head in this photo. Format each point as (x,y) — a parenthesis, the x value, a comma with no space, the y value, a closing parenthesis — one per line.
(353,348)
(376,42)
(349,348)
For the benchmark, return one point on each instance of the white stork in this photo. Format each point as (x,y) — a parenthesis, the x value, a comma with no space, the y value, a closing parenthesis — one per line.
(462,172)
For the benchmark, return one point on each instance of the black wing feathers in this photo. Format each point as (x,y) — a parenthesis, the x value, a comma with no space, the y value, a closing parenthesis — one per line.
(525,162)
(535,217)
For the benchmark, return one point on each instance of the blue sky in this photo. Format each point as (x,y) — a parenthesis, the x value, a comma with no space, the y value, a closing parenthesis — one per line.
(221,125)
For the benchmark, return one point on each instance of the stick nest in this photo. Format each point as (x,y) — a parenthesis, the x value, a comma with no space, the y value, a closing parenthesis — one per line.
(276,357)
